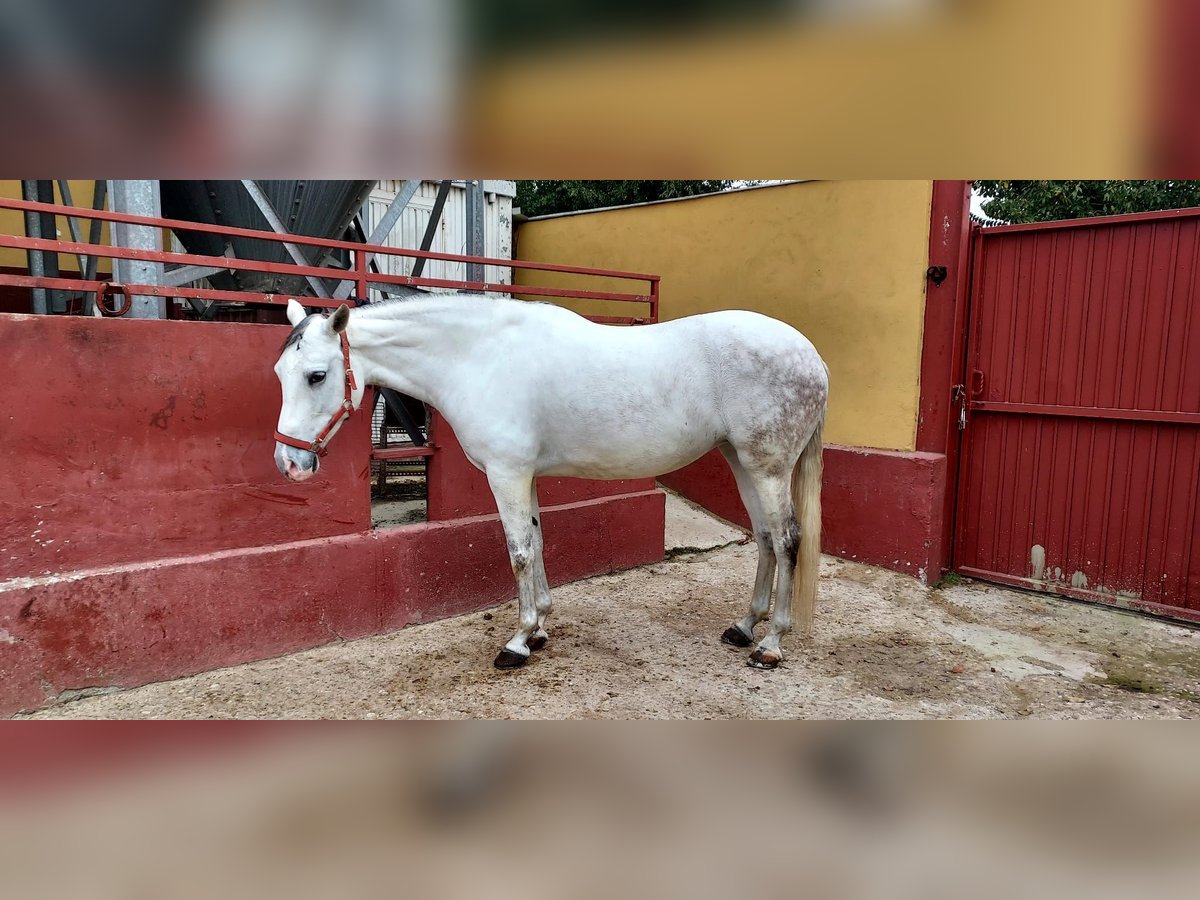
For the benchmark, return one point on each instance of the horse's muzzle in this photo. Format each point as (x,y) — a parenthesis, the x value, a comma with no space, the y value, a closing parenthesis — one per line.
(295,464)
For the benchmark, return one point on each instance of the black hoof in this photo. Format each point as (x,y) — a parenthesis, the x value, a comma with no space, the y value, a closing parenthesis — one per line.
(536,643)
(736,637)
(509,660)
(764,659)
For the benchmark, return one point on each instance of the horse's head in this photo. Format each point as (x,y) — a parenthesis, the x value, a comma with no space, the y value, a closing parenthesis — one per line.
(319,390)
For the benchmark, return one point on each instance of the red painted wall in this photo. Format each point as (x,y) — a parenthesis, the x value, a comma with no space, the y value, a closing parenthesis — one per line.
(457,488)
(147,534)
(943,346)
(877,506)
(136,440)
(129,625)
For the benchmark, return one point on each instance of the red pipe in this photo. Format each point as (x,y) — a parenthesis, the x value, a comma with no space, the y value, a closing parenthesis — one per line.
(158,290)
(230,231)
(358,273)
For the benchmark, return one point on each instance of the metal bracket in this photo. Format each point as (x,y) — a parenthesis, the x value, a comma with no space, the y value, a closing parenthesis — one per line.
(111,287)
(958,394)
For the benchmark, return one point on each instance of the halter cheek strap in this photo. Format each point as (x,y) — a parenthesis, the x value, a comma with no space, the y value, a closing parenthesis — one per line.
(318,445)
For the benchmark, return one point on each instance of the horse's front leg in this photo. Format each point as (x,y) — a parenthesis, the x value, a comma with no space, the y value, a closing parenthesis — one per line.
(513,493)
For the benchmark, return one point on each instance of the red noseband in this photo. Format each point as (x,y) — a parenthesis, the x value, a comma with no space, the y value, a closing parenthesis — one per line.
(318,445)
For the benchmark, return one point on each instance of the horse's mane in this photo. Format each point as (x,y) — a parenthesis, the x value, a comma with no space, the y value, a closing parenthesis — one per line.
(298,332)
(402,294)
(411,296)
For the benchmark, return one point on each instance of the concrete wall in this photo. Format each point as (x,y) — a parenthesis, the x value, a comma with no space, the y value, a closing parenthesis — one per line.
(843,261)
(146,534)
(136,440)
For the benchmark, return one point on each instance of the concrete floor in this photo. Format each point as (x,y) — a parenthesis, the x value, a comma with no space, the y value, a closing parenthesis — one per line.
(644,643)
(690,528)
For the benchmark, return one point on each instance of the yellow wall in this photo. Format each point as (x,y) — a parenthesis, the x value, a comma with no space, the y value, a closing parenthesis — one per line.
(843,261)
(13,222)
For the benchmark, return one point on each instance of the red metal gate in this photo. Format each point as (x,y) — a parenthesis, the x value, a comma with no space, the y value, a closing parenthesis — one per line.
(1081,451)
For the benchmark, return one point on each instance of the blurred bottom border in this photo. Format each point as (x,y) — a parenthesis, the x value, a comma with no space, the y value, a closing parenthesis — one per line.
(847,809)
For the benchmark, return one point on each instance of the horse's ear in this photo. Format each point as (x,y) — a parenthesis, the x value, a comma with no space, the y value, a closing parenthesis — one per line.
(295,312)
(339,320)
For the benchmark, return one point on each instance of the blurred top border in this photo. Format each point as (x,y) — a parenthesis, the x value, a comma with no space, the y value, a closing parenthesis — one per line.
(845,89)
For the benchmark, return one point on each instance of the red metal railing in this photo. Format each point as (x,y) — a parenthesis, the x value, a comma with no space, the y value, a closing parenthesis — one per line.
(359,273)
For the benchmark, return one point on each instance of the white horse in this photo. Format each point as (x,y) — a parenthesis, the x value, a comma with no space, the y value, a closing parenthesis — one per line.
(533,389)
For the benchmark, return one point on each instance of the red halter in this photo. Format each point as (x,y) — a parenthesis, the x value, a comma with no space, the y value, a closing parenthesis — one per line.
(318,444)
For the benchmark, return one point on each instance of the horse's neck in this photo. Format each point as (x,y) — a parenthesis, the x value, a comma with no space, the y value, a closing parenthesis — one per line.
(412,345)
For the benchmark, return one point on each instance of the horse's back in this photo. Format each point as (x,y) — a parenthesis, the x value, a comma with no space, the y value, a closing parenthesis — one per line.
(725,335)
(619,401)
(746,348)
(773,385)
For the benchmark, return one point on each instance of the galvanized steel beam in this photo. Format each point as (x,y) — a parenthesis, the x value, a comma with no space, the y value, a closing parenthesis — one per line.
(138,198)
(187,274)
(33,229)
(87,264)
(383,229)
(64,190)
(264,206)
(431,227)
(475,214)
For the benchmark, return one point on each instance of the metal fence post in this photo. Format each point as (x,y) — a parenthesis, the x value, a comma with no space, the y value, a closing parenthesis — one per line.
(33,229)
(475,213)
(360,275)
(138,198)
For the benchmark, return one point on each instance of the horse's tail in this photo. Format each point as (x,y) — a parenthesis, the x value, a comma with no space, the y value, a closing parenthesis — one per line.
(806,498)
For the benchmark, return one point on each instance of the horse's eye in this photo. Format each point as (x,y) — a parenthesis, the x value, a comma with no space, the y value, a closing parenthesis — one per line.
(316,377)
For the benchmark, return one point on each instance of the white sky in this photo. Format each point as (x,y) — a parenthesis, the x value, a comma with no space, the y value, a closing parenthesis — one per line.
(977,205)
(976,202)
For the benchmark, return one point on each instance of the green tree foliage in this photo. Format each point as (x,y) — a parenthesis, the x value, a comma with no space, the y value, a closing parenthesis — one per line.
(1018,202)
(539,198)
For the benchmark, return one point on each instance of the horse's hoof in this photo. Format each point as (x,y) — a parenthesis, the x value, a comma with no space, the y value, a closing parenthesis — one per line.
(509,660)
(536,643)
(736,637)
(765,659)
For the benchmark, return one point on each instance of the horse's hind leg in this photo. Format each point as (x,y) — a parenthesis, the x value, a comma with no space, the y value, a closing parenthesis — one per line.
(741,632)
(766,479)
(773,486)
(513,493)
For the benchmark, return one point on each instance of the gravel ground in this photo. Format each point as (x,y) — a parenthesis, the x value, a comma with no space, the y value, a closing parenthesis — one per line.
(644,643)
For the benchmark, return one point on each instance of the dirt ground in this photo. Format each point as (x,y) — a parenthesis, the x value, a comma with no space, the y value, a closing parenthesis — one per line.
(402,503)
(645,643)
